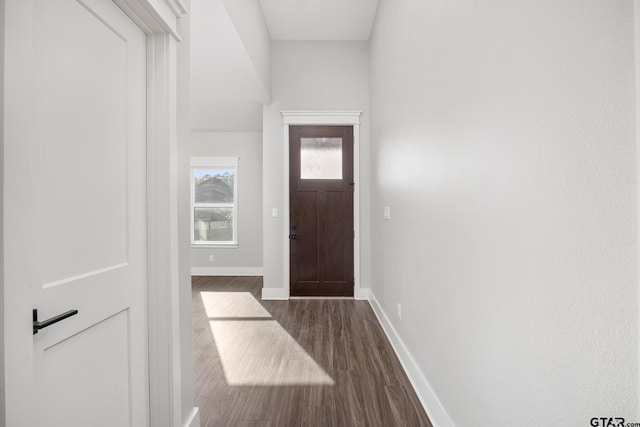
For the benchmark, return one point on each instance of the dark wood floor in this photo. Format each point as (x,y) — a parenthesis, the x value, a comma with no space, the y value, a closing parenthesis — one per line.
(294,363)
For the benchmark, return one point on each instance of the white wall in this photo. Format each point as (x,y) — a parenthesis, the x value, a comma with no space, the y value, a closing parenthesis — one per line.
(503,141)
(228,65)
(247,257)
(248,20)
(311,76)
(2,285)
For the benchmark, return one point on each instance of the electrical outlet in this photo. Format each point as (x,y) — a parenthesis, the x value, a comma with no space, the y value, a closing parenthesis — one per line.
(211,258)
(399,311)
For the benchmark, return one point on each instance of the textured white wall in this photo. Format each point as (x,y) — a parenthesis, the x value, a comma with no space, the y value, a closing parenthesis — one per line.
(311,76)
(248,147)
(503,140)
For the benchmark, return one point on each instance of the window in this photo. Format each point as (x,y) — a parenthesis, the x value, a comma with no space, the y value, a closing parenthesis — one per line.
(214,196)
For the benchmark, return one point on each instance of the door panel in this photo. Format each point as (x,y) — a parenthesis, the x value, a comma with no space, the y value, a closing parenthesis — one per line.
(83,213)
(321,210)
(307,231)
(97,355)
(336,269)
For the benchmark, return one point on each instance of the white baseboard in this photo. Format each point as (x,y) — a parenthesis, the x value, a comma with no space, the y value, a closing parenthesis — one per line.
(361,294)
(275,294)
(226,271)
(283,294)
(194,418)
(431,403)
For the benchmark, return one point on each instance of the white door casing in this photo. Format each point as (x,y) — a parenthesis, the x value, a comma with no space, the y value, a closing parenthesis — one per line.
(318,118)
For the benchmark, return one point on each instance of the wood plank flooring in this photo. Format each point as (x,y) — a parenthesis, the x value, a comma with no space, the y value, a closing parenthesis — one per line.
(323,362)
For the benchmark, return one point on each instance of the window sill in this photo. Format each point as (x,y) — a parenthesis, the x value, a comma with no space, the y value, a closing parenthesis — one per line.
(214,246)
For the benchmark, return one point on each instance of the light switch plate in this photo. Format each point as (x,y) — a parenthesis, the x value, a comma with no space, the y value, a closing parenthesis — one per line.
(274,212)
(387,212)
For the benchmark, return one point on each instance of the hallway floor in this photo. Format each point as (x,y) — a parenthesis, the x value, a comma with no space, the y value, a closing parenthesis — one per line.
(293,363)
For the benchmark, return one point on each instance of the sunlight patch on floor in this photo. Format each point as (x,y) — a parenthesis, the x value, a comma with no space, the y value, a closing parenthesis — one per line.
(254,351)
(261,352)
(232,304)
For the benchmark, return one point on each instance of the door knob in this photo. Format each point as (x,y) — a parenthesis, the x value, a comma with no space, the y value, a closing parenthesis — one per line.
(293,236)
(55,319)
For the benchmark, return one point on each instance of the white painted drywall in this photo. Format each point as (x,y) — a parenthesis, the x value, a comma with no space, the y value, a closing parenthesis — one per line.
(503,139)
(311,76)
(2,284)
(227,75)
(248,147)
(248,20)
(636,9)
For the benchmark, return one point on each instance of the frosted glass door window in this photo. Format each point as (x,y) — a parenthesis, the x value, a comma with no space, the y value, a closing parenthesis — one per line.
(321,158)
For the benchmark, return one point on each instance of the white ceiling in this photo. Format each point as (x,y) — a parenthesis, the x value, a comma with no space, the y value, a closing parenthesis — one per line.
(319,19)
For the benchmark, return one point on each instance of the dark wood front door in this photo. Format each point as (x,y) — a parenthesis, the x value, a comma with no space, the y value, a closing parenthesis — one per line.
(321,210)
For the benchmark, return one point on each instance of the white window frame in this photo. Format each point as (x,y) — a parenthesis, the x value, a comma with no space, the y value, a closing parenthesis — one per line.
(215,163)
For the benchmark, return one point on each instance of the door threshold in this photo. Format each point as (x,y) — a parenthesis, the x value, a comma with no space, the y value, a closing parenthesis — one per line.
(320,298)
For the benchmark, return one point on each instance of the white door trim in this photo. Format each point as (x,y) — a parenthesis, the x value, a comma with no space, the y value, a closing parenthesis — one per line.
(158,19)
(333,118)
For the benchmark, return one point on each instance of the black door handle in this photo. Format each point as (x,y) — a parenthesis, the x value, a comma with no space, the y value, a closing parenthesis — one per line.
(293,236)
(55,319)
